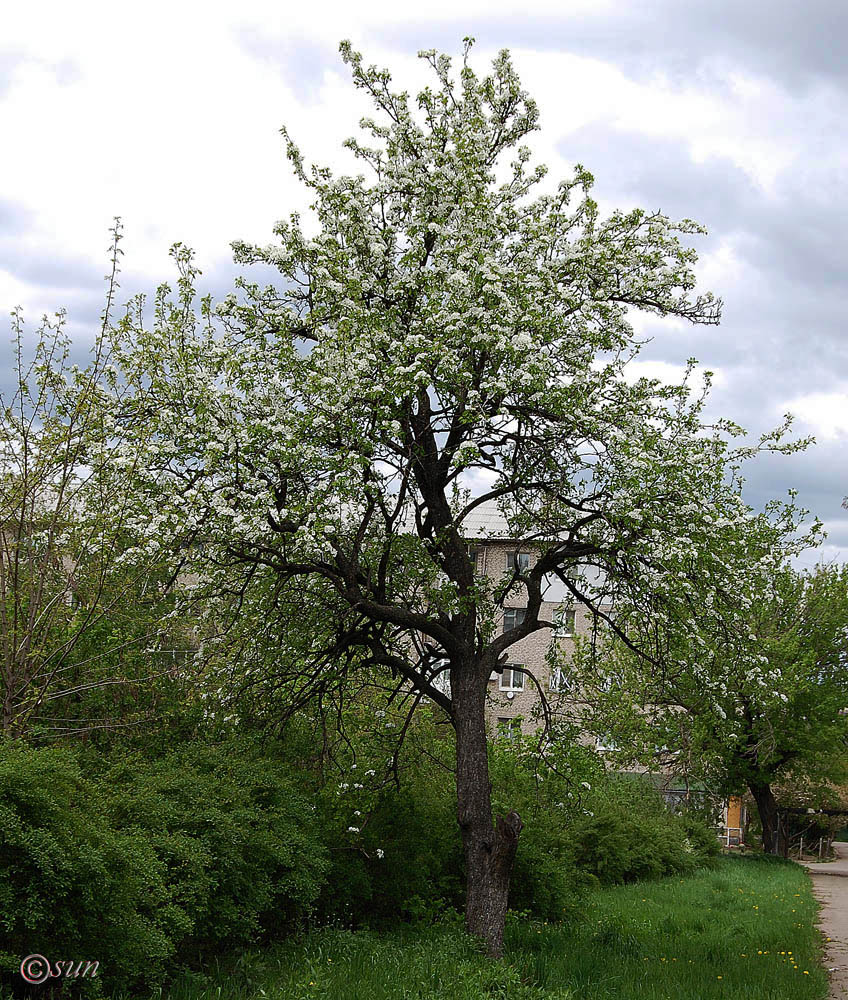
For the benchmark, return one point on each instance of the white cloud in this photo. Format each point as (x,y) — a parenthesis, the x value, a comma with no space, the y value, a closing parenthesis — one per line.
(823,413)
(823,555)
(672,374)
(168,119)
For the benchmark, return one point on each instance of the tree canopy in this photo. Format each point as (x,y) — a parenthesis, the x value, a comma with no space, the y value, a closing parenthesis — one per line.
(715,721)
(82,575)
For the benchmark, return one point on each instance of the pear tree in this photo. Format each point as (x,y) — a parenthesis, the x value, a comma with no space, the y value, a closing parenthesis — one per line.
(449,330)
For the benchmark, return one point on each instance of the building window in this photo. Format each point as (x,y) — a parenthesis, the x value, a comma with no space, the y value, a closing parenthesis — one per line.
(604,683)
(474,556)
(560,681)
(509,729)
(564,622)
(441,681)
(604,744)
(513,617)
(512,678)
(518,561)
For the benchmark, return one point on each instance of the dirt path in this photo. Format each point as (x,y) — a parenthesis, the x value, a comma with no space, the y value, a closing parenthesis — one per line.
(830,884)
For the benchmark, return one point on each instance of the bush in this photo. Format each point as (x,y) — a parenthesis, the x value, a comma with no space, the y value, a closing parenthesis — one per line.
(546,883)
(71,886)
(397,853)
(154,860)
(628,834)
(143,862)
(703,841)
(405,858)
(239,841)
(407,862)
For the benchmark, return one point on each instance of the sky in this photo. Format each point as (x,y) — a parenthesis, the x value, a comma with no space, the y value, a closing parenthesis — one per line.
(732,114)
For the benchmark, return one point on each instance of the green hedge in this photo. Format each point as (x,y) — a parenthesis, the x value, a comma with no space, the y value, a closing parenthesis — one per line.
(146,862)
(150,863)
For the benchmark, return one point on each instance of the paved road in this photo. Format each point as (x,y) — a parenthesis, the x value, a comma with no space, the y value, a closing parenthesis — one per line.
(830,884)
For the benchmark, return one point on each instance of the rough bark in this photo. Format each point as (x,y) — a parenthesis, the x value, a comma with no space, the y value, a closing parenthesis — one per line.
(489,847)
(773,836)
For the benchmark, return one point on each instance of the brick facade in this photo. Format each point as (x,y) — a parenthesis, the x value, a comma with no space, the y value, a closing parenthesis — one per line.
(531,652)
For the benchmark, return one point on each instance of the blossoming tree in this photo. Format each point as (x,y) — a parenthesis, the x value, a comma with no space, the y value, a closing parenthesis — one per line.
(448,330)
(716,718)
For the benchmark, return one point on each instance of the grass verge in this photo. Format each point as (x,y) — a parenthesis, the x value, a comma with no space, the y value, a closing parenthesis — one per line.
(740,931)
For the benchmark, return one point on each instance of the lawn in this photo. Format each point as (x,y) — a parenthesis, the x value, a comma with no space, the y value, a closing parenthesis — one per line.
(742,930)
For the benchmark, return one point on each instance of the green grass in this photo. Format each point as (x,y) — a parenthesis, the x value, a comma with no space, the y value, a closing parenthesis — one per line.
(742,930)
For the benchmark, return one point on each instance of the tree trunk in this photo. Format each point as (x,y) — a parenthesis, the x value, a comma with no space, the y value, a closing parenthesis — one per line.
(8,708)
(489,848)
(774,839)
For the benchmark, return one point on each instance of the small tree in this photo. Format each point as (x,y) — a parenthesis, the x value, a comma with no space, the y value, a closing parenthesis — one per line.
(81,573)
(735,732)
(444,339)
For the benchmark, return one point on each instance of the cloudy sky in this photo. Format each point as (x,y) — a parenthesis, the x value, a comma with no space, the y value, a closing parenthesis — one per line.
(168,114)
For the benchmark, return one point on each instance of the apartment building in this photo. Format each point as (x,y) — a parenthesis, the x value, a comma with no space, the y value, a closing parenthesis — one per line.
(514,698)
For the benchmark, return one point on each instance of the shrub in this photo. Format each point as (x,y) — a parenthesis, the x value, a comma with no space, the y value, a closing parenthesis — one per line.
(206,847)
(139,862)
(405,858)
(546,883)
(701,835)
(239,841)
(397,853)
(627,833)
(71,886)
